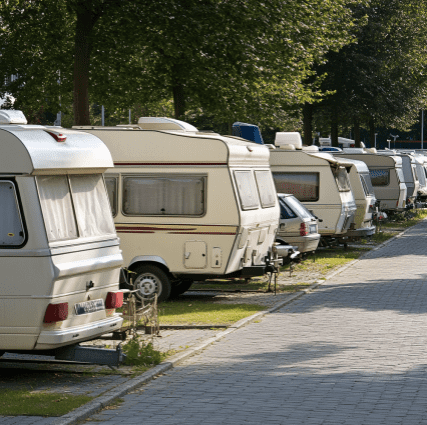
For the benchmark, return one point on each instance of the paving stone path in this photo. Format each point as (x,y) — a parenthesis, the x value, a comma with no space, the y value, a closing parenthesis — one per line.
(354,351)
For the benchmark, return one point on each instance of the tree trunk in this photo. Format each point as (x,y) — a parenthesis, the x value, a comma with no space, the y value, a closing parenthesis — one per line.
(371,132)
(356,132)
(178,99)
(307,112)
(85,22)
(334,128)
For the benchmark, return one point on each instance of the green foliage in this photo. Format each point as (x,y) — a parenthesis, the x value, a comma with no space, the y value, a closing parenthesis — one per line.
(141,353)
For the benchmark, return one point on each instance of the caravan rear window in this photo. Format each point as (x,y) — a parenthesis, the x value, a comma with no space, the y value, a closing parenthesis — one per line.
(304,186)
(380,177)
(267,191)
(168,195)
(247,190)
(11,226)
(341,177)
(74,206)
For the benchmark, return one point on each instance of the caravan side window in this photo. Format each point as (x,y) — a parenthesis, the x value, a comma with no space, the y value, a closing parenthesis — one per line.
(266,189)
(247,190)
(304,186)
(11,227)
(111,185)
(380,177)
(164,195)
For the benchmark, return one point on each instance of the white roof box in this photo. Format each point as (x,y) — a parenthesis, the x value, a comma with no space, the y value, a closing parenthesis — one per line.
(10,116)
(311,148)
(285,139)
(163,123)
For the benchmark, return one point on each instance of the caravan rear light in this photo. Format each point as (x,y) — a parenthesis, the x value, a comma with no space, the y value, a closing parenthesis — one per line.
(303,230)
(56,313)
(114,300)
(352,145)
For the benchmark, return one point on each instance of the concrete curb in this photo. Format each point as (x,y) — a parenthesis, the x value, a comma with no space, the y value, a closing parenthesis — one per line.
(104,400)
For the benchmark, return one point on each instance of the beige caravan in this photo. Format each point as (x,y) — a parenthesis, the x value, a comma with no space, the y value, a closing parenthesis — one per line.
(59,253)
(189,205)
(386,176)
(364,197)
(318,180)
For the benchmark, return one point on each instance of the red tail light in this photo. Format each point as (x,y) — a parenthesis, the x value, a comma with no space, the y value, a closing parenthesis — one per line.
(352,145)
(56,313)
(303,230)
(114,300)
(59,137)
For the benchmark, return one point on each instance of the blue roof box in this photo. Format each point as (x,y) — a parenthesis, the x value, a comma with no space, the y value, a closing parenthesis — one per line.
(247,131)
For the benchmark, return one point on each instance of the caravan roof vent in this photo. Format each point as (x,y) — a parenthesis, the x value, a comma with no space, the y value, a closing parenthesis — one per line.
(9,116)
(288,138)
(163,123)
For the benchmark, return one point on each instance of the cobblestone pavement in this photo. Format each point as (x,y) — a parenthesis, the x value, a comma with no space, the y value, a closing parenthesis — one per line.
(351,352)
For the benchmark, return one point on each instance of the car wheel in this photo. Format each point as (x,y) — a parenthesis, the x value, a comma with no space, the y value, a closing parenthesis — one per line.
(180,286)
(150,280)
(281,242)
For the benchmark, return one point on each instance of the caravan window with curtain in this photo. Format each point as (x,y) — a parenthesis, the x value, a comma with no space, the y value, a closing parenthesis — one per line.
(74,206)
(170,195)
(267,191)
(57,209)
(11,226)
(247,190)
(91,205)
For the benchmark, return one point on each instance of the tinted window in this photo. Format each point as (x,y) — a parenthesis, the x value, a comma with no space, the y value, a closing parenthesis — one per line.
(380,177)
(11,227)
(299,208)
(304,186)
(111,185)
(285,210)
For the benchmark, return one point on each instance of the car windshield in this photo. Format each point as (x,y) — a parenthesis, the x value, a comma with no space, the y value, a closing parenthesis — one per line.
(296,206)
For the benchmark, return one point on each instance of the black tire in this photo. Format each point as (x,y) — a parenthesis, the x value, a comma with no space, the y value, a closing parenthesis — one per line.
(281,242)
(180,286)
(1,353)
(149,280)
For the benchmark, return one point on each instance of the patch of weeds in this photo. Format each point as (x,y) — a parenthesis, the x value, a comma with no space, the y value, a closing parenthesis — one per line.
(25,402)
(202,312)
(141,354)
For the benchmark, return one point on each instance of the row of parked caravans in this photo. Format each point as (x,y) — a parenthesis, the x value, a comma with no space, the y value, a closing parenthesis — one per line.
(187,206)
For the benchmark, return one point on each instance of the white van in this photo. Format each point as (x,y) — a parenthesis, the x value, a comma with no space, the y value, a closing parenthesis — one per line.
(386,176)
(59,253)
(189,205)
(364,197)
(318,180)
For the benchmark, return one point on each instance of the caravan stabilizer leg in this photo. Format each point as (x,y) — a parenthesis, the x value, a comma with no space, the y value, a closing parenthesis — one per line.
(76,353)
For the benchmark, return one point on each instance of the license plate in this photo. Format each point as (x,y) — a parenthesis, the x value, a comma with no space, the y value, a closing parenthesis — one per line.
(312,228)
(89,306)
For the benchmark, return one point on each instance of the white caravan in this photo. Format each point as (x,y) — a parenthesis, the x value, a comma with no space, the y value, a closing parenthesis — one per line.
(59,253)
(364,196)
(386,176)
(318,180)
(189,205)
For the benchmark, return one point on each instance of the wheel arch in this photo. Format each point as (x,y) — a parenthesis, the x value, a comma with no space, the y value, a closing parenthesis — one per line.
(153,260)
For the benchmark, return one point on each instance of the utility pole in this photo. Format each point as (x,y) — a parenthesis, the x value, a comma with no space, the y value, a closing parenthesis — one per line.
(375,141)
(422,128)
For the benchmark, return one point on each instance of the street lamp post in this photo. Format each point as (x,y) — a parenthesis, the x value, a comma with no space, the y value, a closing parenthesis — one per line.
(422,128)
(394,141)
(375,141)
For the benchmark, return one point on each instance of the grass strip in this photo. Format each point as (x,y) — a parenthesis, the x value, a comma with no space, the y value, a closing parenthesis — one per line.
(29,403)
(199,312)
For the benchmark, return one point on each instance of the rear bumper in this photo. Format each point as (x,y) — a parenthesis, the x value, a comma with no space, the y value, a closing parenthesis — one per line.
(58,338)
(305,243)
(363,232)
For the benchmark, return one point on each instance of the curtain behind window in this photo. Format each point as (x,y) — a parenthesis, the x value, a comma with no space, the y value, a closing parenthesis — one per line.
(56,207)
(93,212)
